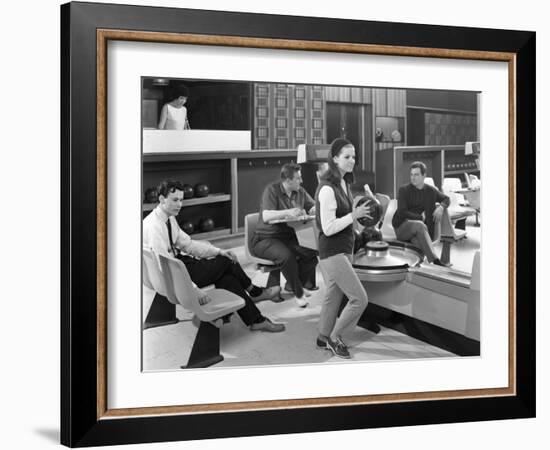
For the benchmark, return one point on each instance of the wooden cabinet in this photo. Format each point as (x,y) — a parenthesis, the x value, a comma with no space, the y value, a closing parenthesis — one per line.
(236,181)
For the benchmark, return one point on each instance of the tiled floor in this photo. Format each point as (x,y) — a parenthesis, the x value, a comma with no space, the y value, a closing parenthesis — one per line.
(168,347)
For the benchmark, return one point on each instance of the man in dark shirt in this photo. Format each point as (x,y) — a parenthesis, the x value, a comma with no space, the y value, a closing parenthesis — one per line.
(419,208)
(278,242)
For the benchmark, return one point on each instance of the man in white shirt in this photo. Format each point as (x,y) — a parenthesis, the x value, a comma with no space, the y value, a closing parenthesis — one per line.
(205,263)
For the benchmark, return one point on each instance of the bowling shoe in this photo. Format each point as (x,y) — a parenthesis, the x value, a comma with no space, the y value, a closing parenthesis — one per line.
(338,348)
(267,325)
(302,302)
(320,344)
(268,293)
(310,287)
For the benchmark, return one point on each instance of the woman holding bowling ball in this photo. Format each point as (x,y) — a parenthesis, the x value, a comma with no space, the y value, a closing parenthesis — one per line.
(335,216)
(173,115)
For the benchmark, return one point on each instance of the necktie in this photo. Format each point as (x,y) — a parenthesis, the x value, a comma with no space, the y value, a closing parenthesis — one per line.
(174,249)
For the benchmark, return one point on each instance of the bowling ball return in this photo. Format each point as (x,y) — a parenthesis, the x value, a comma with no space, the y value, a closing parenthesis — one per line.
(434,304)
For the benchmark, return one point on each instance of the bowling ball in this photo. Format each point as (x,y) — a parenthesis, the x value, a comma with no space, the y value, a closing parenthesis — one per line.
(206,224)
(358,242)
(188,191)
(371,234)
(374,210)
(187,226)
(151,195)
(201,190)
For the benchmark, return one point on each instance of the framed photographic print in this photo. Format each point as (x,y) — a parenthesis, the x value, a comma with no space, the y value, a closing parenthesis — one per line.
(195,142)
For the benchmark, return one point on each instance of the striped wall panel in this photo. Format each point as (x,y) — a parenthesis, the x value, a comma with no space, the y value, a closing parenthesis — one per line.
(286,115)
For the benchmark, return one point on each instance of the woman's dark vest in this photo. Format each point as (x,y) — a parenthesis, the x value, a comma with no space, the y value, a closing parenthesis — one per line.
(341,242)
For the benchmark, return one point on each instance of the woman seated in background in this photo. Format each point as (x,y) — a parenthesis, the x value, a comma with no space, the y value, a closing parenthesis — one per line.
(335,216)
(173,115)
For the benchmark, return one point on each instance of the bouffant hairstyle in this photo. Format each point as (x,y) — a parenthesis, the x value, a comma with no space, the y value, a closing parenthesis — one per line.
(179,91)
(332,175)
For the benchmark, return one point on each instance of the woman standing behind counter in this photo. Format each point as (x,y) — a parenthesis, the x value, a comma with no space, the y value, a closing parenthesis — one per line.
(173,115)
(335,217)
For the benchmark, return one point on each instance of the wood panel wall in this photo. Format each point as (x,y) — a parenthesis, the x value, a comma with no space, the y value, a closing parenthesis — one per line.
(286,115)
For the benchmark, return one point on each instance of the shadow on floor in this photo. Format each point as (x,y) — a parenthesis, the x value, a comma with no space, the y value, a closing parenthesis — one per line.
(50,434)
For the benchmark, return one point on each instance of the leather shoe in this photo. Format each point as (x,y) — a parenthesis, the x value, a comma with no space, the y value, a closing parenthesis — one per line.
(267,294)
(338,348)
(320,344)
(310,287)
(267,325)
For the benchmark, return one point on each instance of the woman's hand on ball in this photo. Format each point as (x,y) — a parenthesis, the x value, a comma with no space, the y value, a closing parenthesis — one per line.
(361,211)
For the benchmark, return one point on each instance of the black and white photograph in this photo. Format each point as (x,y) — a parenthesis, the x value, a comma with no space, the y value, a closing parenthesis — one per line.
(288,223)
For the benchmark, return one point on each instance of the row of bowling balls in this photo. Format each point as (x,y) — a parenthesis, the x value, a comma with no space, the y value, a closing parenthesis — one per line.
(205,224)
(200,190)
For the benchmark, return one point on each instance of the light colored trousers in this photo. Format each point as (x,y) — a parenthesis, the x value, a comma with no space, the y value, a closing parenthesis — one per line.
(340,278)
(416,232)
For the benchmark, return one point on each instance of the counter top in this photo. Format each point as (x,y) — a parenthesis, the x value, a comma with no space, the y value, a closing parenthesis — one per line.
(240,154)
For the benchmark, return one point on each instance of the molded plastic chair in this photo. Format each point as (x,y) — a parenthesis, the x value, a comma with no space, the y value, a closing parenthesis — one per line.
(163,309)
(265,265)
(459,205)
(384,201)
(449,235)
(153,273)
(206,348)
(429,181)
(388,233)
(451,184)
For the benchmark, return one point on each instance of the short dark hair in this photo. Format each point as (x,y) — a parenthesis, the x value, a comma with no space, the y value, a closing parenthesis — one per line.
(166,187)
(288,170)
(419,165)
(179,91)
(332,174)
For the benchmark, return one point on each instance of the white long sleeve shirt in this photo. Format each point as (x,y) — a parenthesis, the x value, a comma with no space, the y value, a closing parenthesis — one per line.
(155,236)
(327,205)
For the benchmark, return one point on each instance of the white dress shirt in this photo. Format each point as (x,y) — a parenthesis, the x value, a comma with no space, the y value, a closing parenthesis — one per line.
(155,236)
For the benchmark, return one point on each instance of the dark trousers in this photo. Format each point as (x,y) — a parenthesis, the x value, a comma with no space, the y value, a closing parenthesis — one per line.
(297,263)
(224,274)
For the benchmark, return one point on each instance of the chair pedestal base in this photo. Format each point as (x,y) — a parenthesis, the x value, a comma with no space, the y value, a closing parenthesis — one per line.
(204,363)
(274,278)
(206,348)
(445,257)
(161,313)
